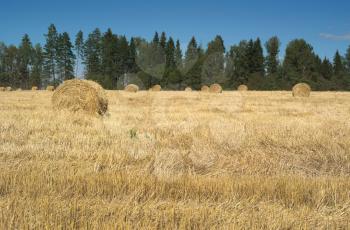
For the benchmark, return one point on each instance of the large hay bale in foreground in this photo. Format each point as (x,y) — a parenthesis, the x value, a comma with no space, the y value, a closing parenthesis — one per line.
(188,89)
(50,88)
(215,88)
(156,88)
(242,88)
(205,88)
(34,88)
(8,88)
(301,90)
(131,88)
(80,95)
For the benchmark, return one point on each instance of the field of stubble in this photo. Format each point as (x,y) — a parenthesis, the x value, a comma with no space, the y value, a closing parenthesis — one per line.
(177,160)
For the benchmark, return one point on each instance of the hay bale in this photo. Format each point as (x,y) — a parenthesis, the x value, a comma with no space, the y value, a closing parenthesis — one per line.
(301,90)
(34,88)
(215,88)
(156,88)
(188,89)
(19,89)
(205,88)
(2,88)
(50,88)
(131,88)
(80,95)
(242,88)
(8,88)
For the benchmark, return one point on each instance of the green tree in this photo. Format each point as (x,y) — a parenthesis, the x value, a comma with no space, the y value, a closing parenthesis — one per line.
(347,59)
(272,47)
(65,58)
(163,41)
(326,69)
(79,48)
(37,68)
(338,64)
(109,60)
(213,67)
(25,52)
(178,56)
(92,56)
(50,55)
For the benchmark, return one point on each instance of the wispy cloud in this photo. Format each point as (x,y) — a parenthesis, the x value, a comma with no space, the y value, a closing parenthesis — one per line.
(334,37)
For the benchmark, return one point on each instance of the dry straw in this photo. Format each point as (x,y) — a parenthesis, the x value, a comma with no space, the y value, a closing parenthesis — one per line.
(131,88)
(80,95)
(205,88)
(301,90)
(242,88)
(8,88)
(34,88)
(188,89)
(156,88)
(50,88)
(215,88)
(2,88)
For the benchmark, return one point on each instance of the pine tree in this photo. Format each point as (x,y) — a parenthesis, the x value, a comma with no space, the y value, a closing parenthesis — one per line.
(37,68)
(191,55)
(156,39)
(109,60)
(272,47)
(50,55)
(347,59)
(258,57)
(163,41)
(92,56)
(132,65)
(25,59)
(338,64)
(213,67)
(79,48)
(326,69)
(122,60)
(65,58)
(178,56)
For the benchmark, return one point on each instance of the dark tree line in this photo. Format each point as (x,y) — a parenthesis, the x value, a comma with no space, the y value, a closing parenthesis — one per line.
(115,61)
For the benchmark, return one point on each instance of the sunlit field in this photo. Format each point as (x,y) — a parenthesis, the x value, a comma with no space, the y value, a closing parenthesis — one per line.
(175,160)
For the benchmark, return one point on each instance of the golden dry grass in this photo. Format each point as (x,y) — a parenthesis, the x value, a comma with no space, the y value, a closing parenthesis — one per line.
(177,160)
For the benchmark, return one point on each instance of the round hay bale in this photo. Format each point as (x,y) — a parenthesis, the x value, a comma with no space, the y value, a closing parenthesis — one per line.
(50,88)
(131,88)
(8,88)
(156,88)
(2,88)
(19,89)
(205,88)
(242,88)
(80,95)
(301,90)
(215,88)
(188,89)
(34,88)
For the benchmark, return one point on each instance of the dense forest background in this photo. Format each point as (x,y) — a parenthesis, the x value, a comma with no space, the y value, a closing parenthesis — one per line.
(115,61)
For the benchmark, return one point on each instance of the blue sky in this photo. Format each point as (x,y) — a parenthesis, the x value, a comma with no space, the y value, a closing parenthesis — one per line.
(325,24)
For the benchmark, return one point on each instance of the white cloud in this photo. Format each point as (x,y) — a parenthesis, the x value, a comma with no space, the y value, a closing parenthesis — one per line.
(334,37)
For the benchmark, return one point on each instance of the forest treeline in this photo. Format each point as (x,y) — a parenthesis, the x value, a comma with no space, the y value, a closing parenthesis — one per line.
(115,61)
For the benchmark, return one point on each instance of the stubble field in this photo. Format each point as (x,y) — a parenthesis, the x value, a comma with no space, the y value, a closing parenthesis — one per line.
(177,160)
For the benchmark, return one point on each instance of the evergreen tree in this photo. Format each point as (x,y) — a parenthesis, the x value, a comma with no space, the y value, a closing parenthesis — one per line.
(178,56)
(272,47)
(191,59)
(326,69)
(109,60)
(25,59)
(65,58)
(156,39)
(338,64)
(79,48)
(347,59)
(258,58)
(163,41)
(131,64)
(92,56)
(10,77)
(37,69)
(238,64)
(213,67)
(50,55)
(122,60)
